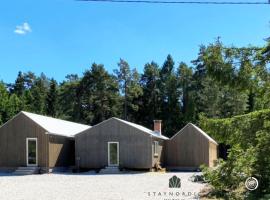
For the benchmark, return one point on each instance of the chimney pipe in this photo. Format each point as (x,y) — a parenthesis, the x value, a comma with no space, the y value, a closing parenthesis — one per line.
(157,126)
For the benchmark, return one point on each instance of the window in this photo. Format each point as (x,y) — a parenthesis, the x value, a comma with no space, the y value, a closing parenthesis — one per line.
(155,148)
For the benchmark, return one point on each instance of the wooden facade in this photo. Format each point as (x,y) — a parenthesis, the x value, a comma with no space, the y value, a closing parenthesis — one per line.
(138,147)
(160,156)
(213,154)
(61,151)
(189,148)
(53,150)
(135,146)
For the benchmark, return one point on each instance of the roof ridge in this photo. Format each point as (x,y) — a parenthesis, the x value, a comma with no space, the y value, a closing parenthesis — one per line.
(55,125)
(54,118)
(196,127)
(204,133)
(147,130)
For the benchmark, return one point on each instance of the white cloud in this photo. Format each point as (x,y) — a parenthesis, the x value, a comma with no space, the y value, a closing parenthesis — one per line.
(23,29)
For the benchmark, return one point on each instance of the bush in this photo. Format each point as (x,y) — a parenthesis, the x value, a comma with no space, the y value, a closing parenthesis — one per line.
(249,138)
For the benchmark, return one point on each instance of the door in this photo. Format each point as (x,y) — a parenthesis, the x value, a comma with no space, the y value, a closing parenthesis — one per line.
(31,152)
(113,154)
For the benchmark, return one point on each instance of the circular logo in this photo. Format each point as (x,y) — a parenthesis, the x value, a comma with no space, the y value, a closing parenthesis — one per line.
(251,183)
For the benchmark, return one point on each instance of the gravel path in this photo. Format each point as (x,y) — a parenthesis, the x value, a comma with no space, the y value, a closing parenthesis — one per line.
(86,186)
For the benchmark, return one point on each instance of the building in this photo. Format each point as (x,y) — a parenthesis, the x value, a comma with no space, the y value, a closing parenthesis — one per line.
(118,143)
(35,140)
(31,140)
(190,148)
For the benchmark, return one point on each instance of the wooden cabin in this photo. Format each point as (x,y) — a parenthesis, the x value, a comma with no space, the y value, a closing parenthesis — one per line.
(50,144)
(34,140)
(119,143)
(190,148)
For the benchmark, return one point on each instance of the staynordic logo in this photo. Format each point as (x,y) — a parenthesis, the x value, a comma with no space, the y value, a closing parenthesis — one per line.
(174,182)
(171,193)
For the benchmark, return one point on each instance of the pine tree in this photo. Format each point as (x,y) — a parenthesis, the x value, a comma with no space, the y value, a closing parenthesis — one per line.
(19,86)
(3,103)
(52,99)
(27,101)
(170,97)
(150,101)
(29,79)
(99,95)
(123,75)
(69,98)
(39,91)
(130,88)
(14,106)
(185,79)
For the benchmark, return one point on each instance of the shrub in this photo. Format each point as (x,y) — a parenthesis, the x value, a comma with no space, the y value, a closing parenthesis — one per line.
(249,138)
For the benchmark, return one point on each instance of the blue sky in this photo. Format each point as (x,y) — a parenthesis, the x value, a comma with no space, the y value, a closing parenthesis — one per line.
(65,36)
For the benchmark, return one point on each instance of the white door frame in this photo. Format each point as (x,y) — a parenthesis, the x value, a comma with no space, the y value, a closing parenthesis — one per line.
(113,165)
(31,139)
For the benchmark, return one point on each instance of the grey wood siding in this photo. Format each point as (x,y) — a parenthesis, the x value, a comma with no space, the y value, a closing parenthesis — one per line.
(160,157)
(13,136)
(61,151)
(189,148)
(135,146)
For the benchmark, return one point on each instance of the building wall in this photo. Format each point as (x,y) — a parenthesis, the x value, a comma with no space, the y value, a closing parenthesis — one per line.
(188,148)
(160,157)
(135,149)
(13,136)
(213,151)
(61,151)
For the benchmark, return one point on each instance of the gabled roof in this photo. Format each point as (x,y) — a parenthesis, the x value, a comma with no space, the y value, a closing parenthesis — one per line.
(137,126)
(56,126)
(144,129)
(198,129)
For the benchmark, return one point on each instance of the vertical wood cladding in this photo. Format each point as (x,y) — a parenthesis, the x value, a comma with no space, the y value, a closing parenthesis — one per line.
(53,150)
(13,136)
(61,151)
(135,146)
(189,148)
(213,151)
(160,157)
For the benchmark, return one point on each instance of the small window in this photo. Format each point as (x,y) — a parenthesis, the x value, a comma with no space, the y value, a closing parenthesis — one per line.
(155,148)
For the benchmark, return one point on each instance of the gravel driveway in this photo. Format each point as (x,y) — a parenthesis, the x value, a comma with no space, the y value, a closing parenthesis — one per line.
(87,186)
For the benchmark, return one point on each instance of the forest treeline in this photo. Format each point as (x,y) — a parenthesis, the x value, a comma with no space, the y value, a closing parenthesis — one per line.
(221,82)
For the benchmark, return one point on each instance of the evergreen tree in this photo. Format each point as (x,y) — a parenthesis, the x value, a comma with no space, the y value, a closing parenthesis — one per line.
(232,102)
(99,98)
(14,106)
(129,86)
(124,77)
(206,91)
(265,53)
(27,101)
(29,79)
(150,100)
(69,98)
(52,99)
(134,93)
(19,86)
(39,91)
(170,97)
(185,78)
(3,103)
